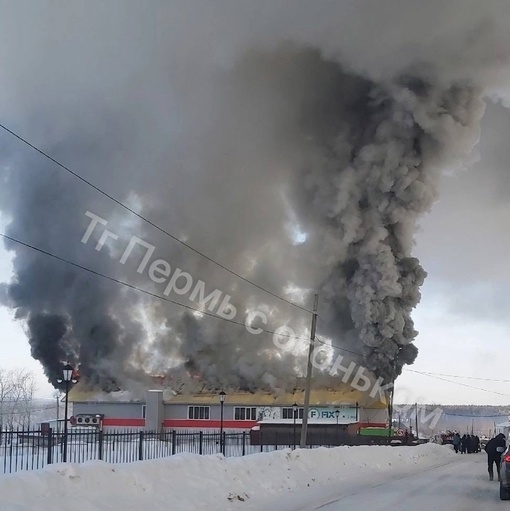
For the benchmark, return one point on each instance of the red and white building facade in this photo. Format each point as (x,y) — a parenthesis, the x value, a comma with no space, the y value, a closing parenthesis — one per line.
(241,410)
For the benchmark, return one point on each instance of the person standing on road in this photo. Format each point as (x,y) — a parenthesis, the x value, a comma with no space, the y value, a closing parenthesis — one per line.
(472,444)
(494,449)
(456,442)
(463,444)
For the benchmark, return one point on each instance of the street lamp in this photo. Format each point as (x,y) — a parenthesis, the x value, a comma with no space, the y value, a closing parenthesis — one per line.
(294,414)
(67,378)
(222,400)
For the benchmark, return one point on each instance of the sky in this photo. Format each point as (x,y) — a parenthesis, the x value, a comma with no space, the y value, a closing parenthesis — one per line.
(123,92)
(463,244)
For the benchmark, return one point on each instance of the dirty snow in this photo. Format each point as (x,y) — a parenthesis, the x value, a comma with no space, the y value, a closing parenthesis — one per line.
(192,482)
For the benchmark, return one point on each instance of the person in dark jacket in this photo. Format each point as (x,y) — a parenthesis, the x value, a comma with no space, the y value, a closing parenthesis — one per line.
(472,444)
(463,444)
(456,442)
(494,449)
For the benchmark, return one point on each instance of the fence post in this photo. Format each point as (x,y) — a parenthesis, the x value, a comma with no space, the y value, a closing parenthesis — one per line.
(140,446)
(174,441)
(100,447)
(200,442)
(50,446)
(244,443)
(261,443)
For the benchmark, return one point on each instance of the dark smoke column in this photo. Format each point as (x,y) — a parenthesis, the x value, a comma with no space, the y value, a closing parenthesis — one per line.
(375,170)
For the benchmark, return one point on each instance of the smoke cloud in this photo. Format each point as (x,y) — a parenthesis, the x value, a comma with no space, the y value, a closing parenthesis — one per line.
(297,143)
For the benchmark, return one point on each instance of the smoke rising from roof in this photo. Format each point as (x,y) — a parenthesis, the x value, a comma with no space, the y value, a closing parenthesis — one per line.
(235,130)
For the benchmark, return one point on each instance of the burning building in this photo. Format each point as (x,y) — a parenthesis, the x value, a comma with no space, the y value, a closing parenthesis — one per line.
(267,153)
(160,409)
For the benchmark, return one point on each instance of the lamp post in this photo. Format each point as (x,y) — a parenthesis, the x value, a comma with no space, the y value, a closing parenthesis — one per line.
(222,400)
(58,409)
(294,414)
(67,378)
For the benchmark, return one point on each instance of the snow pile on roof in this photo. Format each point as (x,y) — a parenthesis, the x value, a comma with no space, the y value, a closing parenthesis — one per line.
(192,482)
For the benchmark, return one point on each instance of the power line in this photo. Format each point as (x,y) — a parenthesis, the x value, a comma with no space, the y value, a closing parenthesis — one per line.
(459,383)
(126,284)
(132,211)
(154,295)
(431,375)
(463,377)
(323,320)
(318,339)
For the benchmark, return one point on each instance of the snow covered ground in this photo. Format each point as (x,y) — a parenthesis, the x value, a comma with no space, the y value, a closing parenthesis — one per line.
(460,486)
(192,482)
(15,456)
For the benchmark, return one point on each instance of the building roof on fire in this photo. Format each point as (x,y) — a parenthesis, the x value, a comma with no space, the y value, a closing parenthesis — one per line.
(343,395)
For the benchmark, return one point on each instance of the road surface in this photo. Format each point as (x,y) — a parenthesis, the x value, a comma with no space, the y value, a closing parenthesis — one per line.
(459,486)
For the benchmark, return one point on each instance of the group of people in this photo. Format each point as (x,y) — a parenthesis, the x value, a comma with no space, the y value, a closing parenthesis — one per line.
(494,449)
(467,444)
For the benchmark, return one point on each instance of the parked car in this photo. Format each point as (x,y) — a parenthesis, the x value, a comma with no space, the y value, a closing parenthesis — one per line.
(504,485)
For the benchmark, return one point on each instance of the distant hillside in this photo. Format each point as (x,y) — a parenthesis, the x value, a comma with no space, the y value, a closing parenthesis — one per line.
(434,419)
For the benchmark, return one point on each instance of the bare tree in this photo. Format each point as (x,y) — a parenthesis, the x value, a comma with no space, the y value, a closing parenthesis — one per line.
(17,389)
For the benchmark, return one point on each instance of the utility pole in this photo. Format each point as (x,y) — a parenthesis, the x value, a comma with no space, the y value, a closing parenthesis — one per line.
(416,419)
(304,425)
(390,401)
(390,414)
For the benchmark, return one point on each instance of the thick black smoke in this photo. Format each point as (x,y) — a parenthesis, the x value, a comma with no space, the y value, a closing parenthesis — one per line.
(376,172)
(47,339)
(284,149)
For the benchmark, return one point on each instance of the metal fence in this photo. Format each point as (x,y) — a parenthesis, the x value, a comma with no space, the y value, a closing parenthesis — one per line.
(34,449)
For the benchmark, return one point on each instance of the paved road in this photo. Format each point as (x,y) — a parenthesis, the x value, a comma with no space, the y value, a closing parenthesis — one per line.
(461,485)
(458,486)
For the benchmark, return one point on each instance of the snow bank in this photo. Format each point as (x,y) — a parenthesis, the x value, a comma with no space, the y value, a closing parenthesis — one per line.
(192,482)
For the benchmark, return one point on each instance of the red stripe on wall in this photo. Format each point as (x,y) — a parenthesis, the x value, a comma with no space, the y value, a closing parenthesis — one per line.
(123,422)
(204,424)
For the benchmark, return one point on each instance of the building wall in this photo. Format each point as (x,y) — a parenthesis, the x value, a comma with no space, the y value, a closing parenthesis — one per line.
(175,415)
(180,411)
(118,415)
(373,415)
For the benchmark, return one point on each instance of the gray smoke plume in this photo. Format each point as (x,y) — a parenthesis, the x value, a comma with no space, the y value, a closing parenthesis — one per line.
(385,169)
(298,147)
